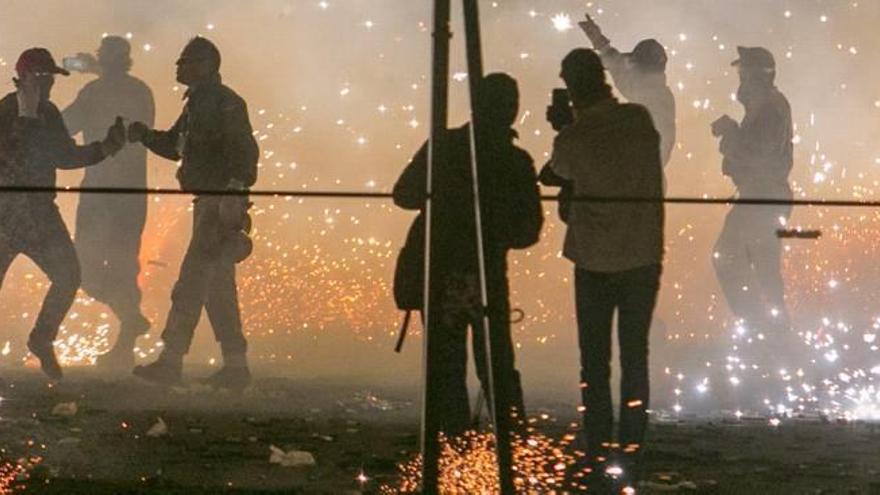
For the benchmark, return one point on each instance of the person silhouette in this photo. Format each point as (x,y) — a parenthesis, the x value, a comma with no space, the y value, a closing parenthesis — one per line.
(758,156)
(34,143)
(109,227)
(214,139)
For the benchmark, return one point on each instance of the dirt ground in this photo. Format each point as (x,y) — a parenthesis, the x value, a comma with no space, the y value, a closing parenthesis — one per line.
(220,443)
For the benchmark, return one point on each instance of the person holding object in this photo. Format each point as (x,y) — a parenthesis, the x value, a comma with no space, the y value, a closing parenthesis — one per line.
(611,150)
(34,143)
(758,158)
(109,227)
(640,76)
(214,139)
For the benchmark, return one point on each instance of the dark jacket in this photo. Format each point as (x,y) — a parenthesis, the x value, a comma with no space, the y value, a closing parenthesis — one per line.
(511,206)
(213,137)
(759,155)
(649,89)
(31,150)
(612,151)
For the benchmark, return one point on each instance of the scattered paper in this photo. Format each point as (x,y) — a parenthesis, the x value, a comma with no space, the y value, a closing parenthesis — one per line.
(293,458)
(65,409)
(160,429)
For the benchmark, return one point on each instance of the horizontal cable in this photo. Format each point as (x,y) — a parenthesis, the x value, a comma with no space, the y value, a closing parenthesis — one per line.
(385,195)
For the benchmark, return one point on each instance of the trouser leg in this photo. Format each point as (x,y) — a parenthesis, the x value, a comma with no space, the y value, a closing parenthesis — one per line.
(108,241)
(766,253)
(192,287)
(7,255)
(92,242)
(446,406)
(509,409)
(53,252)
(733,267)
(638,298)
(223,311)
(506,378)
(595,296)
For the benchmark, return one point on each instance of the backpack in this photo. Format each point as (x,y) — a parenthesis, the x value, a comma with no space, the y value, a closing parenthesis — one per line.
(409,276)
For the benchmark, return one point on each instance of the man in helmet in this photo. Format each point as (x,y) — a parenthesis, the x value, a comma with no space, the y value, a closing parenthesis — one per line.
(34,143)
(109,227)
(640,76)
(758,158)
(214,139)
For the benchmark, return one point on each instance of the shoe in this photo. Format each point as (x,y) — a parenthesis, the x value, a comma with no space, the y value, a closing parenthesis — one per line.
(235,378)
(45,352)
(137,327)
(121,357)
(162,372)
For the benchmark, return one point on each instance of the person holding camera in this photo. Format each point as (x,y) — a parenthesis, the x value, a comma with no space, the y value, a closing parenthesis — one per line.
(640,76)
(214,139)
(758,157)
(610,157)
(34,143)
(109,227)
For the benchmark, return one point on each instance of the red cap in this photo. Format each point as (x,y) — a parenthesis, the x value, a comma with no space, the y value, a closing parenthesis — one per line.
(38,60)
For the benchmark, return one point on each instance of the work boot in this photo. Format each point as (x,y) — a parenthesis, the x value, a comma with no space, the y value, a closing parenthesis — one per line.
(121,356)
(230,378)
(45,352)
(235,374)
(167,370)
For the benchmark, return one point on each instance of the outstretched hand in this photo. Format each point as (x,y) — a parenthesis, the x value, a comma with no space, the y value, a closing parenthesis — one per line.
(115,140)
(593,32)
(137,132)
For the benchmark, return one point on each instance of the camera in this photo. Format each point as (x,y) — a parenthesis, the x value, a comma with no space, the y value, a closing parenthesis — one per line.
(560,113)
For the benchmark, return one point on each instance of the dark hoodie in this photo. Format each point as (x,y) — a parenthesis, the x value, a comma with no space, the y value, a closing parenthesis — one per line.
(512,215)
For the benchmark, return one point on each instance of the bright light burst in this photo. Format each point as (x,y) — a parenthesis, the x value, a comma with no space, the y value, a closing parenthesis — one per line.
(468,465)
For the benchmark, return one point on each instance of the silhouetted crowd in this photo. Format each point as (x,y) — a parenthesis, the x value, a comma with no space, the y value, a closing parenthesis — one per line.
(608,162)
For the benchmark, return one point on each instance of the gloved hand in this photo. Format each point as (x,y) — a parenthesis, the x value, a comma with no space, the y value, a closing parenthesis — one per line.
(724,126)
(115,139)
(137,132)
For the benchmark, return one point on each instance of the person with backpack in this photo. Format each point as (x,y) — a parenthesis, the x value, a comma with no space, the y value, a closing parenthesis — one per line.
(511,218)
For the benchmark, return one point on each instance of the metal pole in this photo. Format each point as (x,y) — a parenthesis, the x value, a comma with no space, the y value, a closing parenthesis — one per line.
(500,416)
(436,158)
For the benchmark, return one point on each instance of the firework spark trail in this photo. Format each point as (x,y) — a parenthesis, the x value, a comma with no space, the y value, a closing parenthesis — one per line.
(468,466)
